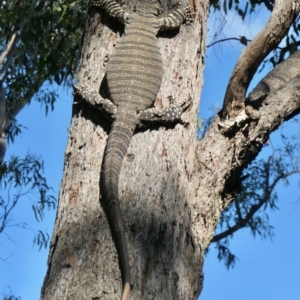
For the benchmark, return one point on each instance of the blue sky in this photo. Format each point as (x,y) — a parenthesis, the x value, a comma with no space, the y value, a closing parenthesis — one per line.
(265,270)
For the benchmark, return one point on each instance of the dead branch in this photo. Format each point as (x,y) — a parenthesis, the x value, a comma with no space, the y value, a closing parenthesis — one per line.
(242,39)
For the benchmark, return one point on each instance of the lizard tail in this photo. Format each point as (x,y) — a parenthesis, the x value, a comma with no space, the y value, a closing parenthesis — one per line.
(116,148)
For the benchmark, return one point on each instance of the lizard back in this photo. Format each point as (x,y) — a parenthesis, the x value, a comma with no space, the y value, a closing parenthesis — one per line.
(134,72)
(134,75)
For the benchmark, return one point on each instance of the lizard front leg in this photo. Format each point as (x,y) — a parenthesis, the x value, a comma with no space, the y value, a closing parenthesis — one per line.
(176,18)
(165,115)
(113,8)
(94,99)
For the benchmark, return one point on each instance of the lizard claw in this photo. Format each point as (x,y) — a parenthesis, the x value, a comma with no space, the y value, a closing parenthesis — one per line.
(189,15)
(75,88)
(126,18)
(186,103)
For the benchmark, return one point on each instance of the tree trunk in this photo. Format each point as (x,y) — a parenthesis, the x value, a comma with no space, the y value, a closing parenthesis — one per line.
(172,189)
(157,187)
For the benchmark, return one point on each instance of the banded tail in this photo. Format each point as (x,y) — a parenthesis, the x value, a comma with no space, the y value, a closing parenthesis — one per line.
(116,148)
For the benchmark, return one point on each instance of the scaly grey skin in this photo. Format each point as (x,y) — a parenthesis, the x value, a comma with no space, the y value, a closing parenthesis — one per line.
(134,75)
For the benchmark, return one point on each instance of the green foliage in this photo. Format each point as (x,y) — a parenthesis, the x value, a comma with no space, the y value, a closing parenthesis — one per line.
(257,196)
(8,295)
(48,49)
(250,4)
(11,298)
(22,179)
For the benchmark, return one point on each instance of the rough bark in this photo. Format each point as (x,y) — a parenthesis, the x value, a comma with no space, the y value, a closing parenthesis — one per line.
(172,188)
(155,187)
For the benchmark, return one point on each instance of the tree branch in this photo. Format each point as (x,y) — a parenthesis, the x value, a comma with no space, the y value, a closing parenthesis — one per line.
(254,208)
(242,39)
(25,99)
(221,158)
(283,15)
(7,55)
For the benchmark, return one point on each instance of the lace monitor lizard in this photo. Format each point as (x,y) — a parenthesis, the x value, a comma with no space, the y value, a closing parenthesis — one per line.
(134,75)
